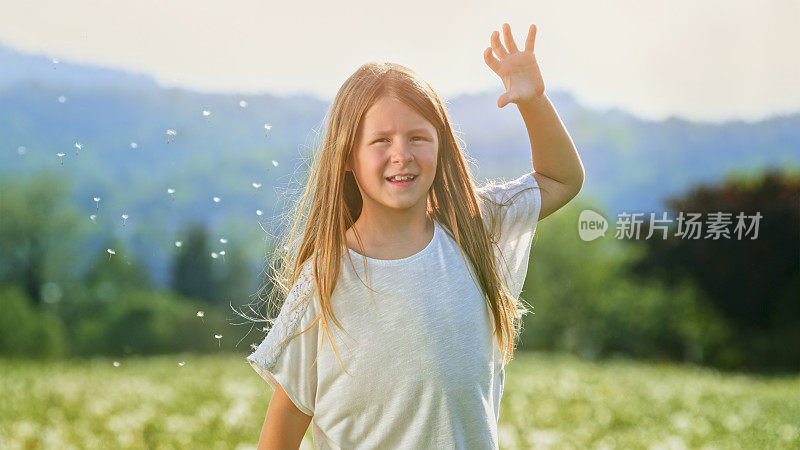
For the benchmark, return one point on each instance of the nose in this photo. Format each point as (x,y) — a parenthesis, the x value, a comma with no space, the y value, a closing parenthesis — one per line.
(400,153)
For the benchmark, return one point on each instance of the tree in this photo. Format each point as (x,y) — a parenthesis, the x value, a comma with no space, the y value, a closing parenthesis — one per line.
(192,271)
(40,232)
(753,283)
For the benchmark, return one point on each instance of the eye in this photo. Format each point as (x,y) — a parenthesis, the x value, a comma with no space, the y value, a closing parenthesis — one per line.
(419,137)
(378,140)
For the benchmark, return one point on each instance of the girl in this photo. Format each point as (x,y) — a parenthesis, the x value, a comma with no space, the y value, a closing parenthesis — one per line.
(396,334)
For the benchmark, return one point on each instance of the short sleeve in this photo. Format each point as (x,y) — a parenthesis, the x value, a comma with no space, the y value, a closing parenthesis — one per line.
(515,225)
(292,364)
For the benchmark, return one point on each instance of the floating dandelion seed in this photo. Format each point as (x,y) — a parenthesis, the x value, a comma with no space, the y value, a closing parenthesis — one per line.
(110,252)
(178,243)
(181,363)
(218,336)
(55,61)
(134,145)
(267,127)
(223,240)
(171,135)
(61,99)
(214,255)
(97,200)
(222,253)
(171,192)
(93,217)
(124,218)
(256,185)
(201,314)
(259,212)
(78,146)
(116,363)
(243,103)
(275,163)
(216,199)
(61,155)
(207,113)
(21,150)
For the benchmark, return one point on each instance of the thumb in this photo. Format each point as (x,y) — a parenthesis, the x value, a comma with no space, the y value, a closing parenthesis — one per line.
(505,99)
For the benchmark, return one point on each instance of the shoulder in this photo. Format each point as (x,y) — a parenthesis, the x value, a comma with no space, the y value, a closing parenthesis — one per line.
(305,283)
(502,190)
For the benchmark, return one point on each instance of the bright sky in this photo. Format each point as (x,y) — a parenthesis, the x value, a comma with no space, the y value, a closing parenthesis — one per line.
(700,59)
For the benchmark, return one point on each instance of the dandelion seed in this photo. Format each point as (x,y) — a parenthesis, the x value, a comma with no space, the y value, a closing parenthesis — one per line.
(267,127)
(93,217)
(61,99)
(171,135)
(97,200)
(116,363)
(171,192)
(216,199)
(223,240)
(256,185)
(222,253)
(218,336)
(214,255)
(178,243)
(55,62)
(134,145)
(264,329)
(254,346)
(110,252)
(259,212)
(275,163)
(124,218)
(61,156)
(207,113)
(181,363)
(243,103)
(201,314)
(78,146)
(21,150)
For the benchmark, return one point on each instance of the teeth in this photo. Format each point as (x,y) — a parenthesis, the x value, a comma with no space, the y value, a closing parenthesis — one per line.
(407,177)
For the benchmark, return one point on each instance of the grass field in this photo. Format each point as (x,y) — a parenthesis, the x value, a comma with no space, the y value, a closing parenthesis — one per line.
(550,401)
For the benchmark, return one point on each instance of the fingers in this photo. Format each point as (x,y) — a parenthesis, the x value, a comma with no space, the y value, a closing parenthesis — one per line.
(498,48)
(505,98)
(531,38)
(491,61)
(508,38)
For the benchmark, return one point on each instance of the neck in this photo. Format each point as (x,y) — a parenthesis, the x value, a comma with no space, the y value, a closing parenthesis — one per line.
(392,229)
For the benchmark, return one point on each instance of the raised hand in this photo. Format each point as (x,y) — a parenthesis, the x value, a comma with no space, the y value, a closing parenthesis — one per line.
(518,69)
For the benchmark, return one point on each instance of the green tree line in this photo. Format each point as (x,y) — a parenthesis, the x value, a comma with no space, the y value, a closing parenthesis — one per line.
(55,304)
(728,303)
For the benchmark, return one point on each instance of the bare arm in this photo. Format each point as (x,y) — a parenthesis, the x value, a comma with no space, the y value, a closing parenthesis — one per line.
(558,168)
(285,425)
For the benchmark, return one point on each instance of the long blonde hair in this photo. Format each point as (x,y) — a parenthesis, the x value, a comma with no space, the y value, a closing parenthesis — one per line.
(331,203)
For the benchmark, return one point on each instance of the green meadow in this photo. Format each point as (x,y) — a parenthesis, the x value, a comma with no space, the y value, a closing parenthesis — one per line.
(550,401)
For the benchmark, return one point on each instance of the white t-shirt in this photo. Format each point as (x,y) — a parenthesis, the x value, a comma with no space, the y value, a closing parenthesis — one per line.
(424,368)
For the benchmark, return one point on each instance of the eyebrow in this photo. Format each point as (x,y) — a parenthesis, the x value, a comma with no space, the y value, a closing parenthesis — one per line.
(413,130)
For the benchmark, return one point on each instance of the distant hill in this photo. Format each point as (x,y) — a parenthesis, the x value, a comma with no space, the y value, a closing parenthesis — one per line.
(631,164)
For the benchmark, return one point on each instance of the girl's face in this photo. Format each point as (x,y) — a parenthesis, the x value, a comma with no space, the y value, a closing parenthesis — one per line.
(394,139)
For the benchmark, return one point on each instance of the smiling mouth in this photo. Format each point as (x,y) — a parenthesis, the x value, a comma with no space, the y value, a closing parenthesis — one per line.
(402,183)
